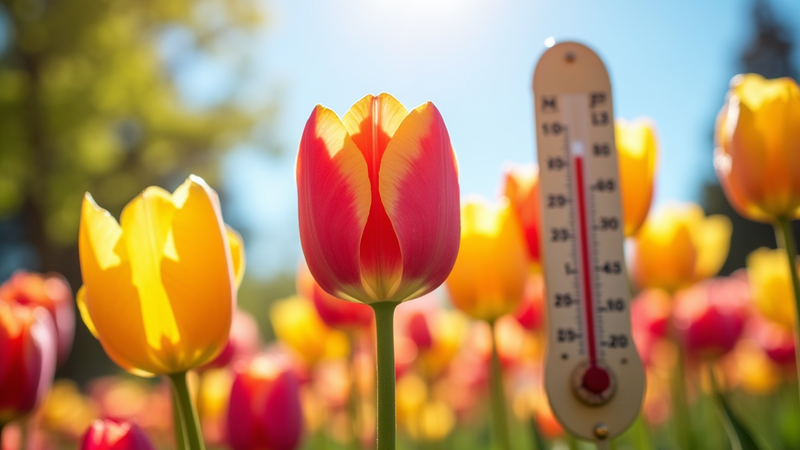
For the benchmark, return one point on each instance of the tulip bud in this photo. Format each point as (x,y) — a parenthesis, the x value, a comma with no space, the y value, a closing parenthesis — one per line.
(27,359)
(264,410)
(110,435)
(50,291)
(711,315)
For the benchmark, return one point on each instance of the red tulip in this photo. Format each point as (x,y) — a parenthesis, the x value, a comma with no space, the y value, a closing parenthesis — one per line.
(50,291)
(264,409)
(110,435)
(522,190)
(27,359)
(336,313)
(711,315)
(531,308)
(776,341)
(378,200)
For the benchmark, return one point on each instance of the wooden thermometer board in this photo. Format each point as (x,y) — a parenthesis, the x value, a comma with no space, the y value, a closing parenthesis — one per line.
(593,375)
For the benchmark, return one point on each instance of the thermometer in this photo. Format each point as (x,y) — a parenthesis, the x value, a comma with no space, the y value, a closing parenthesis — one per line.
(593,375)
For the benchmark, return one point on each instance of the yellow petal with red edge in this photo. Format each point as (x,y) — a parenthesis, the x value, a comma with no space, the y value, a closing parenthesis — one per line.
(237,254)
(334,201)
(372,121)
(713,238)
(637,151)
(419,188)
(111,302)
(199,280)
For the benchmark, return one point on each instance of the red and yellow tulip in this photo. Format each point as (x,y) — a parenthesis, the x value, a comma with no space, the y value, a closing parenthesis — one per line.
(378,200)
(160,286)
(522,190)
(758,137)
(110,435)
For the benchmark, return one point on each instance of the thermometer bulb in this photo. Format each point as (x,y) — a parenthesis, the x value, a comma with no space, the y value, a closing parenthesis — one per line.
(593,384)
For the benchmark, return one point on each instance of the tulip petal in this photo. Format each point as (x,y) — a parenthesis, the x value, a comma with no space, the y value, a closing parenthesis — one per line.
(80,299)
(146,224)
(637,151)
(110,301)
(713,238)
(199,283)
(372,122)
(237,254)
(419,188)
(334,202)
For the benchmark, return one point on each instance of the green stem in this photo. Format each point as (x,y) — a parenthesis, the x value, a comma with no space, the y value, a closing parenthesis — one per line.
(785,238)
(353,397)
(384,331)
(189,413)
(178,424)
(680,407)
(499,420)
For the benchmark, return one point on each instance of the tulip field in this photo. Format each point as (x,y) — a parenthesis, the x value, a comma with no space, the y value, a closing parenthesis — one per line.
(419,318)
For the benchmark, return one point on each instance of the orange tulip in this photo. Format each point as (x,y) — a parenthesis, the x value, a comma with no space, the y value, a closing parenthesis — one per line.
(378,200)
(522,190)
(50,291)
(757,158)
(678,246)
(489,276)
(637,149)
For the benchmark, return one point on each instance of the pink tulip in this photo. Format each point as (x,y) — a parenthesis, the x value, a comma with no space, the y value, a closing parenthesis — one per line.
(336,313)
(264,409)
(111,435)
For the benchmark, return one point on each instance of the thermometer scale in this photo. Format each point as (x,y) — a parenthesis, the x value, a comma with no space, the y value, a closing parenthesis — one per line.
(593,375)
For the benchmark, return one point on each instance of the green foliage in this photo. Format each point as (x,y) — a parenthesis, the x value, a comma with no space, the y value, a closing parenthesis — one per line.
(88,105)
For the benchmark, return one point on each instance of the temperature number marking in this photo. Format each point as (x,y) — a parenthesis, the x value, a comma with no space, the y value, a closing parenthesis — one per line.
(559,234)
(556,163)
(556,201)
(616,341)
(600,118)
(604,185)
(552,128)
(611,267)
(608,223)
(564,301)
(614,305)
(601,150)
(567,335)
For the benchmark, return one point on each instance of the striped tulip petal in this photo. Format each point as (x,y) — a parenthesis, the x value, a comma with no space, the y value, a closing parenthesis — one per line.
(334,202)
(419,188)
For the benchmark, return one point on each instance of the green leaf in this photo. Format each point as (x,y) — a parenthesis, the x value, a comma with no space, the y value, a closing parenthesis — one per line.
(741,439)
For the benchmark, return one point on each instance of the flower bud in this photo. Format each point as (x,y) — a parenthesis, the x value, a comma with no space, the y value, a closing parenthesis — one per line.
(110,435)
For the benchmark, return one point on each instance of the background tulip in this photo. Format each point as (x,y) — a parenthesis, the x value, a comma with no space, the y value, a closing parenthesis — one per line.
(522,190)
(710,316)
(50,291)
(336,313)
(637,150)
(678,246)
(489,276)
(159,288)
(27,359)
(771,285)
(264,410)
(758,137)
(378,200)
(297,325)
(110,435)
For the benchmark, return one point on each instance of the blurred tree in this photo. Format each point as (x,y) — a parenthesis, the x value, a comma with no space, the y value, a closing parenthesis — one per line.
(768,53)
(88,103)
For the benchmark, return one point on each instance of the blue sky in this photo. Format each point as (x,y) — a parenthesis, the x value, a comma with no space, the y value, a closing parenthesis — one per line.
(474,59)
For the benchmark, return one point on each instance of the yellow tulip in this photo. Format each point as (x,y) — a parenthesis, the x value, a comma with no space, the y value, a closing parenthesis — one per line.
(757,158)
(637,149)
(771,285)
(678,246)
(297,324)
(159,286)
(489,275)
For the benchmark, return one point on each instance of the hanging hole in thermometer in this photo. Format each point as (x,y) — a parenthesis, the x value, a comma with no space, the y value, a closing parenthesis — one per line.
(593,375)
